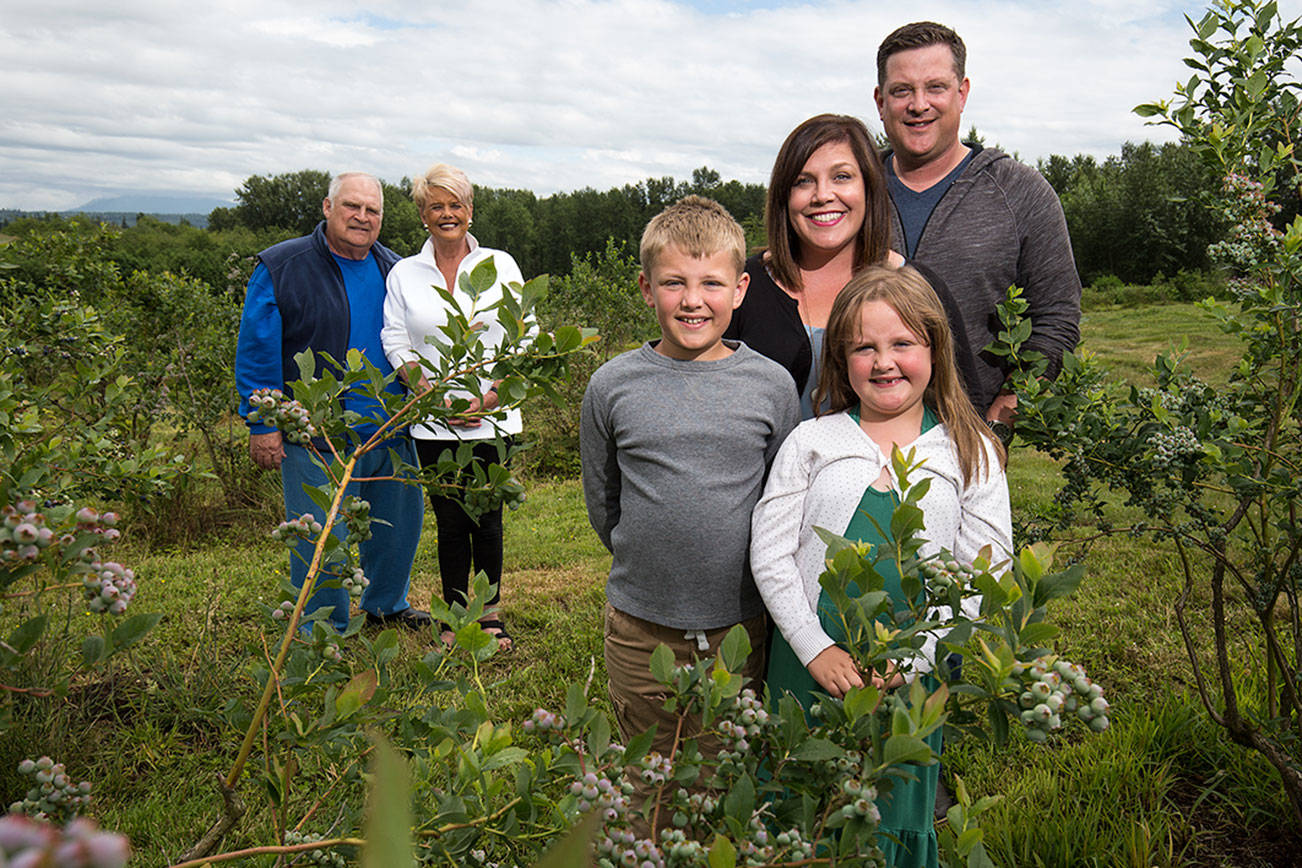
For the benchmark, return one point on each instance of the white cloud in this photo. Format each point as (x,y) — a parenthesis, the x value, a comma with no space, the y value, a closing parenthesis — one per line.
(541,94)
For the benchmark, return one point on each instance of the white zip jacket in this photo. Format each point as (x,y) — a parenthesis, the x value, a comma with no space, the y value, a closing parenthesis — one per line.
(414,311)
(818,479)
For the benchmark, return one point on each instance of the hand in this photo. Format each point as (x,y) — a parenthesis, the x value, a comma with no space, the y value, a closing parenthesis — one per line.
(471,419)
(1004,409)
(834,670)
(266,450)
(414,376)
(892,678)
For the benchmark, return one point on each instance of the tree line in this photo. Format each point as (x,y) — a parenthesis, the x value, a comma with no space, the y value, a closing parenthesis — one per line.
(1135,216)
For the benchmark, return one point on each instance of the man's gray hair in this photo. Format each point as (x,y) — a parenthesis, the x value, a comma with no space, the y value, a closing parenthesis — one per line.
(338,181)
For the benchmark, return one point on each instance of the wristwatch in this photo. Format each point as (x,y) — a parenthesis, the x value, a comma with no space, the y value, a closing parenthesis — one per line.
(1002,430)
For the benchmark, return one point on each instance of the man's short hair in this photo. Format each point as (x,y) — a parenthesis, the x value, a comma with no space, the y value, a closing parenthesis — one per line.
(337,183)
(921,34)
(441,176)
(696,225)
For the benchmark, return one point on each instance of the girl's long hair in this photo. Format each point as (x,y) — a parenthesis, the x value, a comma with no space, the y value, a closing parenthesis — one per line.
(911,296)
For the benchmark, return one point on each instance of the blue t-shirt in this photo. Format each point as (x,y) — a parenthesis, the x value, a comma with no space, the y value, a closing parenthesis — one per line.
(915,206)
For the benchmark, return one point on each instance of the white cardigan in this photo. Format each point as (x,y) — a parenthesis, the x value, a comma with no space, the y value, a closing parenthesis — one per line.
(818,479)
(414,311)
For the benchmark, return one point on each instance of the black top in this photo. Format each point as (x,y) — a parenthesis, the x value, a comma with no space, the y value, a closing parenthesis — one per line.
(768,321)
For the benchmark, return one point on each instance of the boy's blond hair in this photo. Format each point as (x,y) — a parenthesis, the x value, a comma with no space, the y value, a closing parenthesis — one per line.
(696,225)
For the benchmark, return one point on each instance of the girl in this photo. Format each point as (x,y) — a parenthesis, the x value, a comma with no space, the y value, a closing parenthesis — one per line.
(888,378)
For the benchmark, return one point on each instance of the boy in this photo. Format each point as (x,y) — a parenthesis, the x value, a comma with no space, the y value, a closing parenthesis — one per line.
(676,438)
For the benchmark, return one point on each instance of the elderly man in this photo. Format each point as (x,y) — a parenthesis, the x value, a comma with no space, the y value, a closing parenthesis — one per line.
(978,218)
(325,292)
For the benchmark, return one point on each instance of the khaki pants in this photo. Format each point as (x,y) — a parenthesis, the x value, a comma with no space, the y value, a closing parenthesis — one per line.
(638,699)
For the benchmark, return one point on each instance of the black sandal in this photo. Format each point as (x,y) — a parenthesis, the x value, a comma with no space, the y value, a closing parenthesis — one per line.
(495,628)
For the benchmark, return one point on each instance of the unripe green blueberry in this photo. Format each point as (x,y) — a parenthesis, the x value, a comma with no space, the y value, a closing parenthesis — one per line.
(26,767)
(1099,723)
(1037,735)
(1099,705)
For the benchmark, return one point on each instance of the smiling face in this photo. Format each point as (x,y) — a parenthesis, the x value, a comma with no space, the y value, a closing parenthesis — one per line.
(827,200)
(921,102)
(694,298)
(446,216)
(889,366)
(353,217)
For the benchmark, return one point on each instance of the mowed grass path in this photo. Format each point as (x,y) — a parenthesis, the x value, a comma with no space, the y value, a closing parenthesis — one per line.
(1157,789)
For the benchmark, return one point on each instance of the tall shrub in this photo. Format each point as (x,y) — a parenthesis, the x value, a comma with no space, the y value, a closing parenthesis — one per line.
(1214,470)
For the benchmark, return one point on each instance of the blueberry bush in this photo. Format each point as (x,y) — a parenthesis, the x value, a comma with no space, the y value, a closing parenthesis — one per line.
(1213,469)
(785,789)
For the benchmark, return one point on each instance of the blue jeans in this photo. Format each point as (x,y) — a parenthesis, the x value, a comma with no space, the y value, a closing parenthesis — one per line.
(386,557)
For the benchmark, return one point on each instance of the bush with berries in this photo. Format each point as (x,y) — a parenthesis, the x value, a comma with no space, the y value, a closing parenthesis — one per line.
(783,789)
(1212,469)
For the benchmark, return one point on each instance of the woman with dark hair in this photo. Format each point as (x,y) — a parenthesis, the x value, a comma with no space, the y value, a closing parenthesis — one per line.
(827,218)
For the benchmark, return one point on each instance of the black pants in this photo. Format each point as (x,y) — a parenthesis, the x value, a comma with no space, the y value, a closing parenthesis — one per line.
(462,540)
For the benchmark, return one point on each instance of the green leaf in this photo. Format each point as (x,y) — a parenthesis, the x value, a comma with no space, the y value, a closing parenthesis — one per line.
(347,704)
(1059,585)
(860,701)
(639,745)
(27,634)
(575,702)
(481,278)
(1206,27)
(740,801)
(817,749)
(321,496)
(92,650)
(662,664)
(599,735)
(388,815)
(901,748)
(978,858)
(722,853)
(735,648)
(507,756)
(968,840)
(998,724)
(1039,633)
(306,365)
(386,646)
(133,629)
(572,850)
(357,693)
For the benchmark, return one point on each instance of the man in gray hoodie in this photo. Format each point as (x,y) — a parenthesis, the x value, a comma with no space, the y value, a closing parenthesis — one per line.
(979,219)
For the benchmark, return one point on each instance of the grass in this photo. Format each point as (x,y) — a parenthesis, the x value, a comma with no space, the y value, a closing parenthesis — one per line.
(1127,340)
(1160,788)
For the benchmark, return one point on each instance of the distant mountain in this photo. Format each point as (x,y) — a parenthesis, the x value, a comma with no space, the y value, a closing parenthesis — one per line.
(145,203)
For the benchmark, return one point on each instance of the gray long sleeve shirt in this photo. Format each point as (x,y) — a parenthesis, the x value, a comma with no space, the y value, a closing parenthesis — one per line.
(1000,224)
(674,458)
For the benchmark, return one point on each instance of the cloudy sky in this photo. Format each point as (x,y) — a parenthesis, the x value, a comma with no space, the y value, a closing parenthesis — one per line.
(158,96)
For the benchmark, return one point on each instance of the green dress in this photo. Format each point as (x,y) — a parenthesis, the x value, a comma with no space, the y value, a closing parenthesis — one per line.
(908,810)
